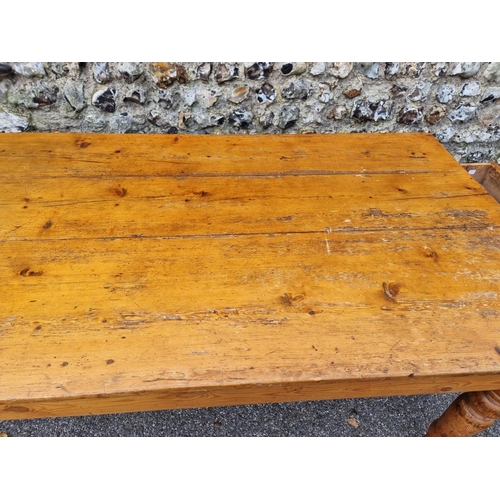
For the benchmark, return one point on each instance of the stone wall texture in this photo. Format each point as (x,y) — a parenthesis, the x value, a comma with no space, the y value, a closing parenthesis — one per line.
(458,102)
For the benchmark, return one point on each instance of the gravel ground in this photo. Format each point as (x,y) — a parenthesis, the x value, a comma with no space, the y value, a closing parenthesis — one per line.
(394,416)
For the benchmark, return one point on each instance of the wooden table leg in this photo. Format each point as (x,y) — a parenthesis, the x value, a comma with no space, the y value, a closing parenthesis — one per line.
(470,413)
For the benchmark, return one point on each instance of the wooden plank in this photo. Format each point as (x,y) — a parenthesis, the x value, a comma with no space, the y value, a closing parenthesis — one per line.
(488,175)
(107,155)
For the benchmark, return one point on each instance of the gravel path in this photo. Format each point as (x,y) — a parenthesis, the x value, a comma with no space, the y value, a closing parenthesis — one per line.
(394,416)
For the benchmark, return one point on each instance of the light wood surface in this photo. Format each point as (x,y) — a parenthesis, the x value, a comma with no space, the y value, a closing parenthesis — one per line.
(154,272)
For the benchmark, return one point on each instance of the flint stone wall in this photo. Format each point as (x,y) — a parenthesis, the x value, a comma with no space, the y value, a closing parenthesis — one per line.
(459,103)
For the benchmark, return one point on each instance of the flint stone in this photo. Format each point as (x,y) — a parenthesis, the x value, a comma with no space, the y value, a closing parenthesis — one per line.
(225,72)
(203,71)
(463,113)
(372,71)
(325,92)
(420,91)
(157,119)
(435,114)
(440,68)
(30,69)
(70,69)
(288,117)
(167,73)
(298,89)
(266,93)
(137,96)
(239,94)
(105,100)
(296,68)
(101,72)
(45,96)
(413,69)
(491,94)
(365,110)
(478,136)
(492,72)
(445,93)
(241,118)
(73,92)
(445,135)
(259,70)
(318,68)
(475,157)
(120,123)
(466,69)
(341,69)
(398,90)
(169,100)
(267,120)
(471,89)
(489,115)
(208,97)
(12,123)
(5,69)
(391,69)
(189,96)
(131,71)
(409,115)
(338,112)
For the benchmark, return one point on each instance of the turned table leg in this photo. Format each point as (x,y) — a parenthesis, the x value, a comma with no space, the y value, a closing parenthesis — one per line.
(470,413)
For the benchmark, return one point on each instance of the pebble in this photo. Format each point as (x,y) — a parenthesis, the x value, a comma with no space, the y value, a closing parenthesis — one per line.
(288,116)
(398,90)
(167,73)
(391,69)
(241,118)
(413,69)
(208,97)
(372,71)
(409,115)
(45,95)
(295,68)
(203,71)
(471,89)
(258,70)
(12,123)
(341,69)
(466,69)
(445,135)
(131,71)
(325,92)
(354,89)
(225,72)
(420,91)
(491,94)
(239,94)
(157,119)
(338,112)
(445,93)
(298,89)
(29,69)
(266,93)
(267,120)
(317,68)
(463,113)
(492,72)
(137,96)
(435,114)
(440,68)
(101,72)
(73,92)
(105,100)
(5,69)
(365,110)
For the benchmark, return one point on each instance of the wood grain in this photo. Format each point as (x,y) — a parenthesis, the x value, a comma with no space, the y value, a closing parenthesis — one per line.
(155,272)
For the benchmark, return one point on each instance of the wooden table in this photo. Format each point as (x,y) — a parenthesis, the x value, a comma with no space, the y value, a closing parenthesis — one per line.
(147,272)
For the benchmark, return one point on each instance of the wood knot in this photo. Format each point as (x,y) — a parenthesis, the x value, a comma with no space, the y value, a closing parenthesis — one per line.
(391,290)
(291,300)
(121,191)
(26,272)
